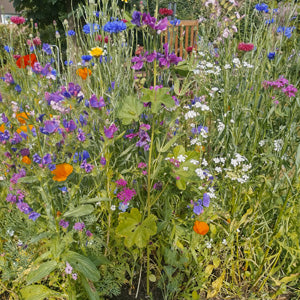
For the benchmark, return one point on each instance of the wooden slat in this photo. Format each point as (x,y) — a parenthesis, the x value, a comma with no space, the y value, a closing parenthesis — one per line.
(176,40)
(181,41)
(186,38)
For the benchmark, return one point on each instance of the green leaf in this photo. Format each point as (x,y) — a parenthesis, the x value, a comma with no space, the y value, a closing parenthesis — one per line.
(135,231)
(28,179)
(37,292)
(181,184)
(298,157)
(130,110)
(83,265)
(43,270)
(79,211)
(90,289)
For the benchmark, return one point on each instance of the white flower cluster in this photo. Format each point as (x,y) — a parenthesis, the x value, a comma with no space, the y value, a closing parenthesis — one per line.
(238,64)
(191,114)
(278,144)
(206,67)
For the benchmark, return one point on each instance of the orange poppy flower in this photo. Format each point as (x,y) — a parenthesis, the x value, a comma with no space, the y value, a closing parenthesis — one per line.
(83,73)
(22,117)
(201,227)
(24,128)
(26,160)
(2,128)
(62,171)
(26,60)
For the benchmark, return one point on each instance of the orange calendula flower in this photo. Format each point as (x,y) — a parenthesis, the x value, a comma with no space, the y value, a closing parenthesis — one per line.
(201,227)
(26,160)
(96,52)
(62,171)
(84,73)
(24,128)
(22,117)
(2,128)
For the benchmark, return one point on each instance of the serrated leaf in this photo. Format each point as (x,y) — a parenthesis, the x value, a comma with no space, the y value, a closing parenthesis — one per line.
(135,231)
(83,265)
(37,292)
(131,110)
(43,270)
(79,211)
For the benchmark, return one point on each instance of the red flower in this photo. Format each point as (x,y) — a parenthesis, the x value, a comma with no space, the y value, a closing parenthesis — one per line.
(189,49)
(27,60)
(17,20)
(245,47)
(165,12)
(124,20)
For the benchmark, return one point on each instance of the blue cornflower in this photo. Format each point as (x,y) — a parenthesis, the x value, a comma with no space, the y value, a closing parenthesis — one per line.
(68,63)
(114,27)
(51,167)
(271,55)
(175,22)
(63,189)
(286,30)
(71,33)
(47,49)
(268,22)
(36,158)
(8,49)
(86,57)
(18,89)
(90,28)
(33,216)
(262,7)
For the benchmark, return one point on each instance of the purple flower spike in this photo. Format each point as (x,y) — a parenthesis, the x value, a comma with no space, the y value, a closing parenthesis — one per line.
(109,132)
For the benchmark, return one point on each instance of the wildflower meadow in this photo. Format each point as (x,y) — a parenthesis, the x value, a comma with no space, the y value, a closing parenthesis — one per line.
(129,171)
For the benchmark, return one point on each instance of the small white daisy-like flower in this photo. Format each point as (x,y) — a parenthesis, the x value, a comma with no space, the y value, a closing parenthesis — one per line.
(220,126)
(278,144)
(194,162)
(200,173)
(204,162)
(113,207)
(227,66)
(218,169)
(185,168)
(224,242)
(262,143)
(181,158)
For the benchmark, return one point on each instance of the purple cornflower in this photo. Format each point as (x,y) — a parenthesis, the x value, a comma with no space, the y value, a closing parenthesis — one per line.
(144,140)
(109,132)
(88,233)
(95,103)
(34,215)
(47,159)
(206,200)
(11,198)
(16,139)
(79,226)
(24,207)
(103,161)
(51,167)
(63,223)
(51,126)
(136,18)
(37,68)
(36,158)
(198,209)
(8,78)
(25,152)
(81,135)
(47,49)
(70,126)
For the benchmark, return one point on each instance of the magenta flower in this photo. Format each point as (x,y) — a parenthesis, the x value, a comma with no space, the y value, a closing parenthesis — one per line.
(109,132)
(290,90)
(79,226)
(140,60)
(168,59)
(126,195)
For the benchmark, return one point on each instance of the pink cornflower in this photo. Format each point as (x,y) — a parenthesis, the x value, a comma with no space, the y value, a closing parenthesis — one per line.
(126,195)
(121,182)
(245,47)
(290,90)
(142,165)
(17,20)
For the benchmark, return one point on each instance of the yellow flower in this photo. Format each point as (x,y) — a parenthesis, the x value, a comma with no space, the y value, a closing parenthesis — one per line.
(96,52)
(125,1)
(62,171)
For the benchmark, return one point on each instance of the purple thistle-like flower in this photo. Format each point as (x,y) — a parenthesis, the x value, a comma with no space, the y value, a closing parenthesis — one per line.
(34,215)
(95,103)
(126,195)
(24,207)
(79,226)
(109,132)
(63,223)
(25,152)
(121,182)
(88,233)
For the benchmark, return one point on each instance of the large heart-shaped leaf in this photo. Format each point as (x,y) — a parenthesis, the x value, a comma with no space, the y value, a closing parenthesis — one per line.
(130,110)
(135,230)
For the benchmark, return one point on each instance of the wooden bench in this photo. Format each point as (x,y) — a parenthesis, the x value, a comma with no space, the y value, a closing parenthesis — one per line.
(181,37)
